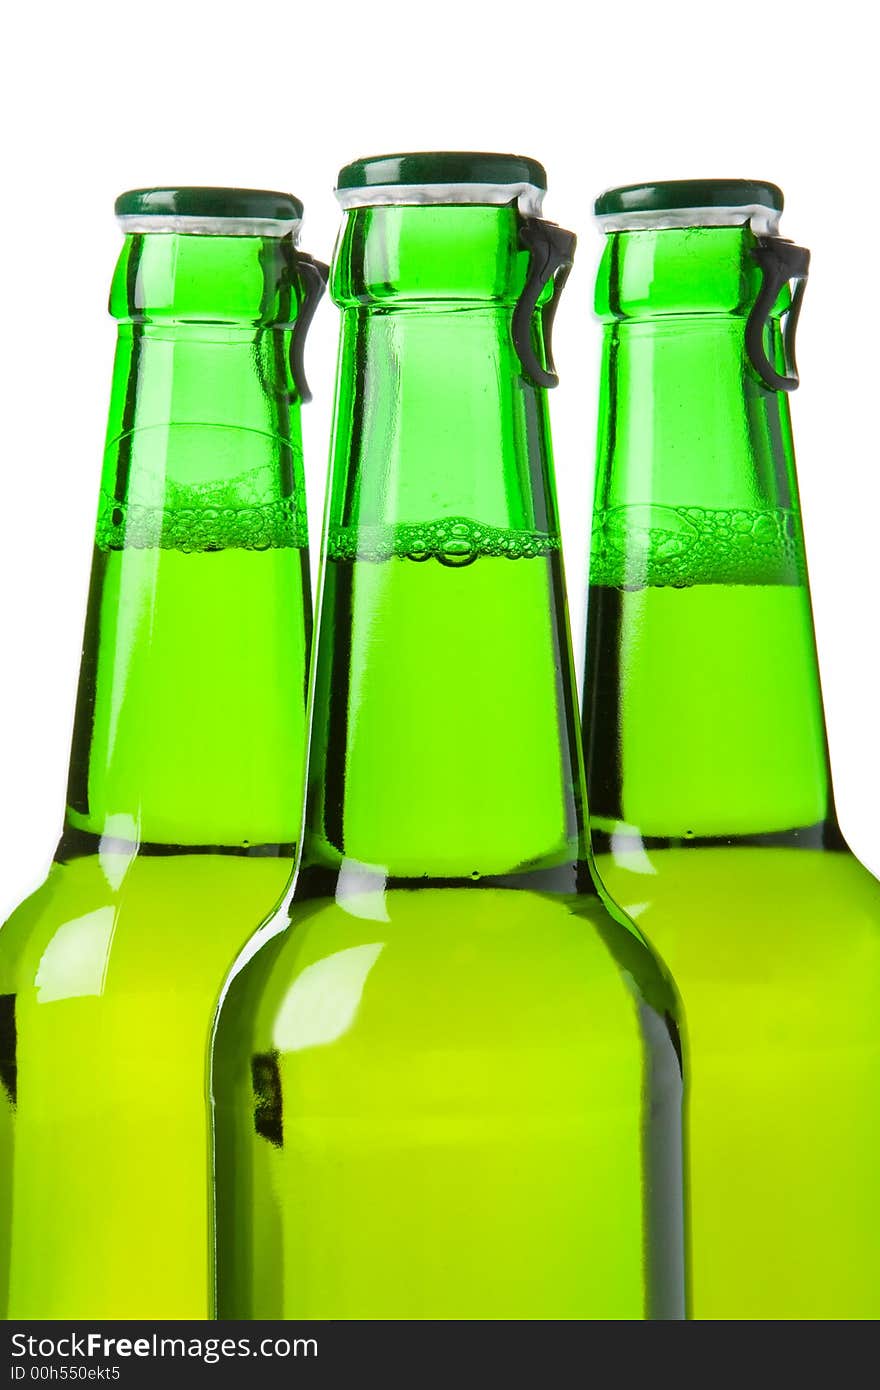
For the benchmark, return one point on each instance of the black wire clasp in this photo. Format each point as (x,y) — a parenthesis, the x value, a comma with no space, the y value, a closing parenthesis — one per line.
(313,276)
(551,253)
(780,262)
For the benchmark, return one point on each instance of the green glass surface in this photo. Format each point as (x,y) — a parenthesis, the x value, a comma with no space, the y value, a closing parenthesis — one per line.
(709,786)
(184,797)
(446,1077)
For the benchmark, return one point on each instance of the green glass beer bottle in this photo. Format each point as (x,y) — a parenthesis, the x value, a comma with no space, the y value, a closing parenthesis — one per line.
(188,755)
(711,807)
(446,1077)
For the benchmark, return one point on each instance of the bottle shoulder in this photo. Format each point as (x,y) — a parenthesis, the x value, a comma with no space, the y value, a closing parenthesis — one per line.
(114,924)
(451,964)
(776,951)
(795,905)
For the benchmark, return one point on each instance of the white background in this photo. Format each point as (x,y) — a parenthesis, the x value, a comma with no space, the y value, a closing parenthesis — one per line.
(95,99)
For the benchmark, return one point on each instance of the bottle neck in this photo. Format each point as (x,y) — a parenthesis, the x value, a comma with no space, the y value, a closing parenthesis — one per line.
(189,723)
(444,739)
(704,714)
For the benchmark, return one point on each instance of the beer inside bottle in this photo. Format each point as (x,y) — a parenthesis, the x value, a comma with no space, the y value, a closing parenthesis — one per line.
(710,795)
(188,754)
(446,1078)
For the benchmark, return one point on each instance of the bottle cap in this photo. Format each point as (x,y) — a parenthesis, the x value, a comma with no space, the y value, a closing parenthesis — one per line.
(209,211)
(443,176)
(691,203)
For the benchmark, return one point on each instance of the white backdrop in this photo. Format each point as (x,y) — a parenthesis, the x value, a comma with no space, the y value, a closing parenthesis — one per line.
(96,98)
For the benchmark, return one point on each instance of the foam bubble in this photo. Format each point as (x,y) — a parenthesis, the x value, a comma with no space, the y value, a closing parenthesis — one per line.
(200,519)
(453,541)
(652,546)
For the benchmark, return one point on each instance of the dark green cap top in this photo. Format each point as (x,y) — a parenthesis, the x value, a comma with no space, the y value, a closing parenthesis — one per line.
(442,166)
(676,195)
(236,204)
